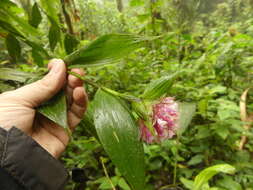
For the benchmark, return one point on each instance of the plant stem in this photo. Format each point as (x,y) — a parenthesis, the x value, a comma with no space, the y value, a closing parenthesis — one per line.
(67,18)
(84,79)
(108,90)
(106,174)
(175,166)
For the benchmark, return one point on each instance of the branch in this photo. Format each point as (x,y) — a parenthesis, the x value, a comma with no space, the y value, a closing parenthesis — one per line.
(67,18)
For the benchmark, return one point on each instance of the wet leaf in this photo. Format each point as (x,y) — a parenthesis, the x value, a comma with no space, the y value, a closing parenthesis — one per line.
(87,122)
(119,136)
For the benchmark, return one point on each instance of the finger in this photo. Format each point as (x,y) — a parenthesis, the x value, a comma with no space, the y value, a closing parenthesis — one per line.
(69,91)
(80,97)
(42,90)
(74,81)
(73,120)
(47,131)
(80,101)
(78,107)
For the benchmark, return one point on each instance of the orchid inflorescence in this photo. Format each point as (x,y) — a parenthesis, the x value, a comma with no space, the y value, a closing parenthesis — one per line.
(164,117)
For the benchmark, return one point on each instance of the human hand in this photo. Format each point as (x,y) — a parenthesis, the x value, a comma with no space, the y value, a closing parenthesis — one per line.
(17,108)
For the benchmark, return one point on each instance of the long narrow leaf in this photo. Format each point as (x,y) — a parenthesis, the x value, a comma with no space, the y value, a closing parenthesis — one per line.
(35,16)
(208,173)
(52,8)
(106,49)
(8,27)
(16,32)
(15,75)
(119,136)
(87,122)
(13,47)
(22,24)
(70,43)
(54,36)
(159,87)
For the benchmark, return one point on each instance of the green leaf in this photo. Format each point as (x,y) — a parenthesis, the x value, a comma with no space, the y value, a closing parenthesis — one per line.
(187,183)
(87,122)
(5,87)
(37,47)
(134,3)
(70,43)
(208,173)
(37,57)
(15,75)
(16,32)
(52,8)
(21,23)
(36,16)
(106,49)
(122,184)
(54,36)
(159,87)
(119,136)
(8,27)
(186,113)
(7,4)
(196,160)
(228,183)
(56,110)
(13,47)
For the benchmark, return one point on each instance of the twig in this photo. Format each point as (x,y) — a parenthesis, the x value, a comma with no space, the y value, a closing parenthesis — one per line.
(67,18)
(106,174)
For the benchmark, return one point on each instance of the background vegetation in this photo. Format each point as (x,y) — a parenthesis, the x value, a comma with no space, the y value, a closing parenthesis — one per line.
(211,41)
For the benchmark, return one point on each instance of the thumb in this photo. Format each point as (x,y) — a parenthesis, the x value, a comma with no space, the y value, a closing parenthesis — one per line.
(42,90)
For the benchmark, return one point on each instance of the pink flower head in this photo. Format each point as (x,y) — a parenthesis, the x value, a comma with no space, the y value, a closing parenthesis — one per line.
(165,116)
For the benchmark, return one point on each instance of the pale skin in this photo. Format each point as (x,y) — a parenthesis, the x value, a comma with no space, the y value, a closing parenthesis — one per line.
(17,108)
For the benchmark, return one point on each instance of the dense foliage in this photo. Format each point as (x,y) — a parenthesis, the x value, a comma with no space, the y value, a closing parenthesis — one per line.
(210,45)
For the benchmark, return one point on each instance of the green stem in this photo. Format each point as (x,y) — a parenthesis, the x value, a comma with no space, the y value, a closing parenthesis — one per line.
(84,79)
(106,174)
(113,92)
(175,166)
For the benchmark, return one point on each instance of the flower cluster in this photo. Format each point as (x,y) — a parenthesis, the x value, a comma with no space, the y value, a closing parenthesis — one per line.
(165,116)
